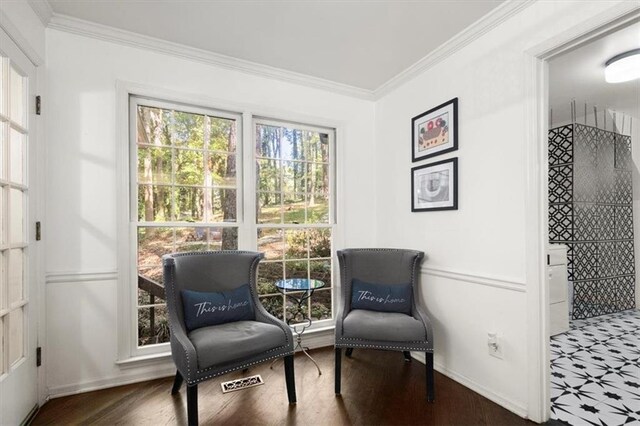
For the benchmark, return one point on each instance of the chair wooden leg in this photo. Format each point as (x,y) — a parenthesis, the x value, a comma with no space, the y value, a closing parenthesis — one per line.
(348,352)
(431,391)
(177,383)
(290,378)
(338,367)
(407,356)
(192,405)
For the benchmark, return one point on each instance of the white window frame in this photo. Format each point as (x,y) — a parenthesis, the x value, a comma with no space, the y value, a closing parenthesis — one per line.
(331,224)
(129,354)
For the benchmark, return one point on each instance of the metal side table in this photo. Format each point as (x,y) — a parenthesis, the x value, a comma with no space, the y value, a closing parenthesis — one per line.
(291,287)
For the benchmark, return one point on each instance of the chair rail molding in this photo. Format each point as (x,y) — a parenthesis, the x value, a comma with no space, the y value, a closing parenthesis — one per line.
(489,281)
(80,276)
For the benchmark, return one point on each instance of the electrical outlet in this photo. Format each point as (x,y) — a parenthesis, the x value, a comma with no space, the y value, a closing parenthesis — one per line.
(493,345)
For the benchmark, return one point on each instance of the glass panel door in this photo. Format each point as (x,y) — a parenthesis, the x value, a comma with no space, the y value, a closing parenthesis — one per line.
(18,374)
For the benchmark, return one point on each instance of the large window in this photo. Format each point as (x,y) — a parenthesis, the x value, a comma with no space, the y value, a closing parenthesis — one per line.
(188,194)
(294,213)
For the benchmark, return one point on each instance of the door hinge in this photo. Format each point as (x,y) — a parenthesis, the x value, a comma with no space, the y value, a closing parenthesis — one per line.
(38,356)
(38,105)
(38,231)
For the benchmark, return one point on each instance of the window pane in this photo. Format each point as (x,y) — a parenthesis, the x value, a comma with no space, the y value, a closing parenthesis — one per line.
(16,276)
(292,176)
(153,325)
(317,208)
(3,280)
(296,244)
(320,242)
(186,129)
(17,93)
(321,305)
(189,167)
(271,243)
(153,126)
(223,170)
(3,153)
(316,146)
(294,208)
(2,324)
(296,269)
(16,219)
(321,270)
(273,305)
(223,134)
(189,204)
(268,176)
(268,141)
(268,274)
(223,205)
(154,165)
(269,207)
(16,343)
(318,178)
(191,239)
(17,150)
(292,144)
(153,243)
(154,203)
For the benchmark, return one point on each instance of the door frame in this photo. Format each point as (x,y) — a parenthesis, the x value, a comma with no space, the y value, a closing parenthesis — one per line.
(536,198)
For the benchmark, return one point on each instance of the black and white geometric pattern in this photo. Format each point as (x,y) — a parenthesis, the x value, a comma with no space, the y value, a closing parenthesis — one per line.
(595,371)
(590,210)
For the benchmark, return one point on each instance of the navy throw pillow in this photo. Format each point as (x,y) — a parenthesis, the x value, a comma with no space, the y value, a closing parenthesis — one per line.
(381,297)
(203,309)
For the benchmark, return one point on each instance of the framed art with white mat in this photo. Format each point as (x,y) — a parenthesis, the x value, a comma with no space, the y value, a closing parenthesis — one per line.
(434,186)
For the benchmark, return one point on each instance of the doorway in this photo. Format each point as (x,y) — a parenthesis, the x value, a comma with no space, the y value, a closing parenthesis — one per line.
(593,182)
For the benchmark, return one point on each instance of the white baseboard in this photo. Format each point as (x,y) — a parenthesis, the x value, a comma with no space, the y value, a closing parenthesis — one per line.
(110,382)
(503,401)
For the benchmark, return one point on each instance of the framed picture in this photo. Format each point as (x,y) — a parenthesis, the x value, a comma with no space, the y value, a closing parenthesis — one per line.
(435,186)
(435,132)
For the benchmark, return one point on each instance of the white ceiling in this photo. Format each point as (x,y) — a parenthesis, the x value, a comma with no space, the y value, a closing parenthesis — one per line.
(361,43)
(579,75)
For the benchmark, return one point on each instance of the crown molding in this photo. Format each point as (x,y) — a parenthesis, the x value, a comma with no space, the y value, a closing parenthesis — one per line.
(43,9)
(457,42)
(103,32)
(128,38)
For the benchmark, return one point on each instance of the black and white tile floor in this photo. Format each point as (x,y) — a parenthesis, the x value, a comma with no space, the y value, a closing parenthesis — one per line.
(595,371)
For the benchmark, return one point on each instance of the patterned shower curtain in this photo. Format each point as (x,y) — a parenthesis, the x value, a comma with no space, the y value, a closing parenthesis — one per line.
(591,211)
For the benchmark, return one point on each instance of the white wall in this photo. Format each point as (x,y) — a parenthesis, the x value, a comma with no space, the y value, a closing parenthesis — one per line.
(474,276)
(81,185)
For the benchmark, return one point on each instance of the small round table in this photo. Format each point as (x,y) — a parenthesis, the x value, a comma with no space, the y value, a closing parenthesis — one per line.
(290,287)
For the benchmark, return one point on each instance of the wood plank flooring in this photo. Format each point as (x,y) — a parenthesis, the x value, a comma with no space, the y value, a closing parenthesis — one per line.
(378,388)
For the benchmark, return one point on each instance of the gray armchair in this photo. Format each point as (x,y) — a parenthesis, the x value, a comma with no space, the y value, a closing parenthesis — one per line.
(368,329)
(207,352)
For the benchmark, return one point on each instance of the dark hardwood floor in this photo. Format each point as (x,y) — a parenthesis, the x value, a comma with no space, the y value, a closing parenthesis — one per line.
(378,388)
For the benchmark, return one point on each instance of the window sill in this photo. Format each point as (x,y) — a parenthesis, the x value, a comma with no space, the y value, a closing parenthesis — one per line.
(140,361)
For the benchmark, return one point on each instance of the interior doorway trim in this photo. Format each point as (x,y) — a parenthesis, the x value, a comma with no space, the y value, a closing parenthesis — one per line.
(536,204)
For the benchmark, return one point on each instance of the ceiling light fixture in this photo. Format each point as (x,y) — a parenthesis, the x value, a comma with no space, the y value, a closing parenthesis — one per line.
(623,67)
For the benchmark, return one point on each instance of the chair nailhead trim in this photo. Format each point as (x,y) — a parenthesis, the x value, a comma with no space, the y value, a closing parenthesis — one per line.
(220,373)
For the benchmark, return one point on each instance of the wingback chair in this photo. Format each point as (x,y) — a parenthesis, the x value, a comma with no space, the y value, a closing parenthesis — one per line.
(372,329)
(207,352)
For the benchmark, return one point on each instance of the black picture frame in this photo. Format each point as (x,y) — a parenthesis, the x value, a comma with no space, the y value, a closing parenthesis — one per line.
(422,198)
(429,122)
